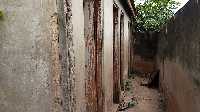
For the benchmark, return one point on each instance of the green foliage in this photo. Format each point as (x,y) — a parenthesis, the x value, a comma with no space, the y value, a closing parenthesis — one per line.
(162,100)
(128,84)
(1,14)
(153,13)
(130,105)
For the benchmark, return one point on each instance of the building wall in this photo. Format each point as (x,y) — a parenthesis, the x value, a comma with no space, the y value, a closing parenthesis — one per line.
(108,54)
(126,43)
(127,19)
(42,57)
(79,42)
(28,35)
(108,49)
(143,53)
(178,59)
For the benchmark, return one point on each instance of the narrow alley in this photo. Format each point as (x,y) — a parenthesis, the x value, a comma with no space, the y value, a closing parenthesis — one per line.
(99,56)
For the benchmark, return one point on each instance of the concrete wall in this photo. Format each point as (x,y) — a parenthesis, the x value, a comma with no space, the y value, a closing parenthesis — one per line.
(108,48)
(28,31)
(178,59)
(42,57)
(127,20)
(143,53)
(108,54)
(79,42)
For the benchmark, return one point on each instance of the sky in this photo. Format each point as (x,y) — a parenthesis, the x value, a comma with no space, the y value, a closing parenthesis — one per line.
(183,2)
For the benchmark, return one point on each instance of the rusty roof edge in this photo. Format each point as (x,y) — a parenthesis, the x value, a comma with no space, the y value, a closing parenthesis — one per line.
(133,7)
(130,6)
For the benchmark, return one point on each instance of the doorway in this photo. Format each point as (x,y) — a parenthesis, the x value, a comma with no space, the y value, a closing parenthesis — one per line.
(116,56)
(122,76)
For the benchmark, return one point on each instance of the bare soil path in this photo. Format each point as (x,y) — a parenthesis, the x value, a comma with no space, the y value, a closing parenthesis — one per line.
(147,99)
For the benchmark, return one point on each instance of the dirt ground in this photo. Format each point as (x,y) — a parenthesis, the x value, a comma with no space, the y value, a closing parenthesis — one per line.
(146,98)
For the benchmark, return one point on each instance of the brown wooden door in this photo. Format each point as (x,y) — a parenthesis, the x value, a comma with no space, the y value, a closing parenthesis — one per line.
(93,55)
(116,57)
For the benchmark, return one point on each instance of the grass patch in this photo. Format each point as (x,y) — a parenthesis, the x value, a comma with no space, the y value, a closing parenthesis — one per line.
(1,14)
(128,85)
(162,100)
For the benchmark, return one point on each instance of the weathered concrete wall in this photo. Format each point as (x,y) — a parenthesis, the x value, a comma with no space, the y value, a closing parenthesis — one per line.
(126,20)
(28,51)
(178,59)
(79,42)
(108,54)
(43,55)
(143,53)
(130,50)
(126,43)
(66,55)
(108,49)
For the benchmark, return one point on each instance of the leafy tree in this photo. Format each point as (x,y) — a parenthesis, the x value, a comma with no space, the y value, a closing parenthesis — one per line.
(153,13)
